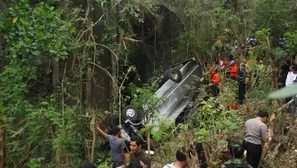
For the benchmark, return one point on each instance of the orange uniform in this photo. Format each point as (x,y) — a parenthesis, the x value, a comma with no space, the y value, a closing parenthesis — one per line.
(233,70)
(215,78)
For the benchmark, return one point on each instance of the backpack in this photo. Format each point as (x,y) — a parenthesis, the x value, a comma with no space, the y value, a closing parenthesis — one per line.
(233,165)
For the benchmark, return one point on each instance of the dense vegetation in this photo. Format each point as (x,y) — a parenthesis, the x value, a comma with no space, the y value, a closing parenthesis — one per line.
(66,64)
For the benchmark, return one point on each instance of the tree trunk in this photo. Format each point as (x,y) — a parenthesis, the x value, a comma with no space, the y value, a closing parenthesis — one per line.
(114,16)
(1,148)
(56,76)
(89,67)
(114,93)
(274,77)
(148,143)
(93,138)
(88,85)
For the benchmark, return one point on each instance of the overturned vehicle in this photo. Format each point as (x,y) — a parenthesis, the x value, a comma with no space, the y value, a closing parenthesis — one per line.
(174,88)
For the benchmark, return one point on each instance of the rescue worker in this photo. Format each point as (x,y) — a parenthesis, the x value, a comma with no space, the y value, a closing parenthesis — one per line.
(215,79)
(233,69)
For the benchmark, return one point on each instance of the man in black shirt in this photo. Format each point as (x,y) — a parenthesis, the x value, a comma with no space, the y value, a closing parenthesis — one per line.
(242,81)
(138,155)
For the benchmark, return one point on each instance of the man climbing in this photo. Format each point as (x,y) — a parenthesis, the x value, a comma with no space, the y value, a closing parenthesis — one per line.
(137,154)
(236,151)
(256,136)
(117,146)
(181,161)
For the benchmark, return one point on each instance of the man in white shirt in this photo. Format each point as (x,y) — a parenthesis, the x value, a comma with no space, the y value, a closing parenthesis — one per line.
(291,76)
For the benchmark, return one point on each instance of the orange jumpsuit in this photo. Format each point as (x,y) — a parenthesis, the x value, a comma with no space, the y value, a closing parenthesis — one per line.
(215,78)
(233,70)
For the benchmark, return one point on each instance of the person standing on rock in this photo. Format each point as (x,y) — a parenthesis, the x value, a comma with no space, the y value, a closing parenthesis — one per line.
(256,136)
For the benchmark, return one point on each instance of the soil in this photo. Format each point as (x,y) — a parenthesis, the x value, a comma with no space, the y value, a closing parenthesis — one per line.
(287,160)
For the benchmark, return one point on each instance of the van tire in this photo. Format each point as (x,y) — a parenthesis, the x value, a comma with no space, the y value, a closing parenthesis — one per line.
(130,113)
(173,74)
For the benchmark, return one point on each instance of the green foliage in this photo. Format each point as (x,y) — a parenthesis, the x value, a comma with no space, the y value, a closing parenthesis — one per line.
(35,163)
(291,41)
(262,35)
(35,129)
(213,116)
(144,99)
(33,33)
(131,11)
(105,164)
(109,36)
(262,50)
(164,131)
(37,126)
(203,23)
(277,15)
(190,11)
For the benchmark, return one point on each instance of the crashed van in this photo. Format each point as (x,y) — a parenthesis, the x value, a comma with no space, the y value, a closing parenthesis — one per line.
(174,88)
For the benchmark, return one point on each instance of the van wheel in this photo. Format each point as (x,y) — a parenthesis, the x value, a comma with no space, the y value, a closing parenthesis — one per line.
(173,74)
(130,113)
